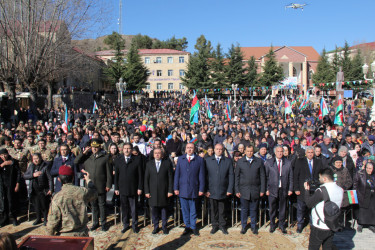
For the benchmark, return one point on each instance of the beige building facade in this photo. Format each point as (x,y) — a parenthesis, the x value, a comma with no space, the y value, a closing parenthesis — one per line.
(165,67)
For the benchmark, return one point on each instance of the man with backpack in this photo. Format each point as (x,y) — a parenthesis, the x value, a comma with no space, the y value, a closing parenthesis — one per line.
(325,205)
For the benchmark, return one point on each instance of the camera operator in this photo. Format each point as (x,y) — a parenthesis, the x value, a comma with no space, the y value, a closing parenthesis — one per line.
(306,169)
(320,234)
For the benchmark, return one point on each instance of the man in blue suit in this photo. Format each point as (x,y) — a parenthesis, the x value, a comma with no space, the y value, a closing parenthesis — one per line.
(220,183)
(189,183)
(65,158)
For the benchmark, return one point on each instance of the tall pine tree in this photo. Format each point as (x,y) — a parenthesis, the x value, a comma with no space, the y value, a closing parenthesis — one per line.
(135,71)
(217,68)
(356,69)
(197,75)
(346,62)
(235,70)
(324,72)
(252,77)
(116,66)
(336,62)
(272,72)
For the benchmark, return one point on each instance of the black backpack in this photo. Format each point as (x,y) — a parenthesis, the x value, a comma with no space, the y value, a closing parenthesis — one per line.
(332,213)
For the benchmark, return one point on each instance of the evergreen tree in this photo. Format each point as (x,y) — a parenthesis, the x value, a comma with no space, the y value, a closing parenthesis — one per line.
(235,70)
(324,72)
(272,72)
(252,74)
(116,66)
(356,68)
(142,41)
(198,70)
(346,62)
(135,71)
(336,62)
(217,68)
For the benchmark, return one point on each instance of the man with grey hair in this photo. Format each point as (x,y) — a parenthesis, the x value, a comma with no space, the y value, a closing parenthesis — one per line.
(326,145)
(279,174)
(347,161)
(306,169)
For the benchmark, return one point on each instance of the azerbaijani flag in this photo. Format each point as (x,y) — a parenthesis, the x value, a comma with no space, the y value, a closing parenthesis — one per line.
(352,195)
(288,108)
(65,126)
(339,119)
(323,110)
(293,102)
(305,102)
(194,140)
(95,107)
(194,109)
(227,112)
(208,110)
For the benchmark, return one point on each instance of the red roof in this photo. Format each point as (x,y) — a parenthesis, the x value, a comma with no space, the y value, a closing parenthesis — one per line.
(144,52)
(370,46)
(258,52)
(83,53)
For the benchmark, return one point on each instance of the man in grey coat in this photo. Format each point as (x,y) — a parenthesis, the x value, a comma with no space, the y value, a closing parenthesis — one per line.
(279,175)
(219,185)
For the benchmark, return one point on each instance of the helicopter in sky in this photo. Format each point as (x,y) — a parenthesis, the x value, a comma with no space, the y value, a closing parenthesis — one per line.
(296,6)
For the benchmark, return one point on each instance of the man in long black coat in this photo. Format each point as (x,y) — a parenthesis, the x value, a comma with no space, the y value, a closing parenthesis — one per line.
(129,184)
(250,186)
(98,166)
(306,169)
(158,188)
(220,183)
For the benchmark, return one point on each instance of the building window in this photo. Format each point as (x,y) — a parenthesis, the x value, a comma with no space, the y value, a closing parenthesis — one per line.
(158,73)
(147,60)
(170,59)
(148,72)
(158,60)
(170,85)
(182,72)
(181,86)
(170,72)
(159,86)
(148,86)
(181,59)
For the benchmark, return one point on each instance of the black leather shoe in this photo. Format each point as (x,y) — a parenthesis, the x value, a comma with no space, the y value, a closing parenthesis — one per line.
(155,231)
(224,230)
(214,230)
(37,222)
(255,230)
(186,231)
(299,230)
(104,228)
(283,230)
(272,229)
(124,229)
(94,227)
(359,229)
(165,231)
(135,230)
(15,223)
(243,230)
(196,232)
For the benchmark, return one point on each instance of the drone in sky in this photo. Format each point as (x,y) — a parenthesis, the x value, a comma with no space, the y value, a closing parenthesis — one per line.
(295,6)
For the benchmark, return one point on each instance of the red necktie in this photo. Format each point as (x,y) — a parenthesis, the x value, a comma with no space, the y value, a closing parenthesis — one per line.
(278,166)
(189,159)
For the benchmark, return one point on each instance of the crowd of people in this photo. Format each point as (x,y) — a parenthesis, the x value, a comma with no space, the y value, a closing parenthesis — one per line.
(152,153)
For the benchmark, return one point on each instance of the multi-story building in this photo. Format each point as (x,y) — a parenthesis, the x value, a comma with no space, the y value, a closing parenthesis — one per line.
(165,66)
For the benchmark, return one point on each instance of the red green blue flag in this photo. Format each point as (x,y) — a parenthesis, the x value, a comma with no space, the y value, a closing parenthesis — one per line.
(352,195)
(194,109)
(227,112)
(339,118)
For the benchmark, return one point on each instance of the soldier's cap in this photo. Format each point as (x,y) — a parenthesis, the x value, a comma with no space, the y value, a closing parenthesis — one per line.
(70,137)
(91,128)
(21,122)
(3,151)
(66,170)
(95,143)
(50,120)
(30,120)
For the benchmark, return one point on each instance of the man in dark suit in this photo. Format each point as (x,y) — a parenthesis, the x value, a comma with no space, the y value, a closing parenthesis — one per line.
(98,166)
(65,158)
(158,188)
(189,183)
(220,182)
(250,186)
(279,186)
(87,137)
(129,184)
(306,170)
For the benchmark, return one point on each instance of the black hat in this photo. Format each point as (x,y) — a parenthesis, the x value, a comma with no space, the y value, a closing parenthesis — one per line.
(91,128)
(336,158)
(3,151)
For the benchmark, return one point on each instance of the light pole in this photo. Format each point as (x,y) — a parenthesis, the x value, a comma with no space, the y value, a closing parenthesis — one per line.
(234,87)
(121,86)
(365,68)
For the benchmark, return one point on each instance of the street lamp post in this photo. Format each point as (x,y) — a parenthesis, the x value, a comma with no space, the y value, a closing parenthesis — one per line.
(365,68)
(234,87)
(121,86)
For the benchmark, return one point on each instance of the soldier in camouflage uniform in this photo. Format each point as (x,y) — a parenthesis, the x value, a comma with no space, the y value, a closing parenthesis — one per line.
(51,145)
(46,153)
(67,215)
(7,143)
(21,154)
(76,150)
(29,143)
(20,126)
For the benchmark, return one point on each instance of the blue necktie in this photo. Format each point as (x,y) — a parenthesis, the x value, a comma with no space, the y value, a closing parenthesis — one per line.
(157,166)
(310,166)
(218,160)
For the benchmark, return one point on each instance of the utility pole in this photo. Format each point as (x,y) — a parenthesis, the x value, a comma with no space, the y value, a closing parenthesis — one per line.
(120,19)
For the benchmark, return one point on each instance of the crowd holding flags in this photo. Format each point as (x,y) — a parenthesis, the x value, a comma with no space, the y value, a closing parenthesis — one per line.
(65,126)
(288,108)
(95,107)
(305,102)
(208,110)
(323,110)
(339,118)
(194,109)
(227,111)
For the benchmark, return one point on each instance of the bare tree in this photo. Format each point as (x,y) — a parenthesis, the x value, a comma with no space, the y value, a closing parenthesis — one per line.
(35,41)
